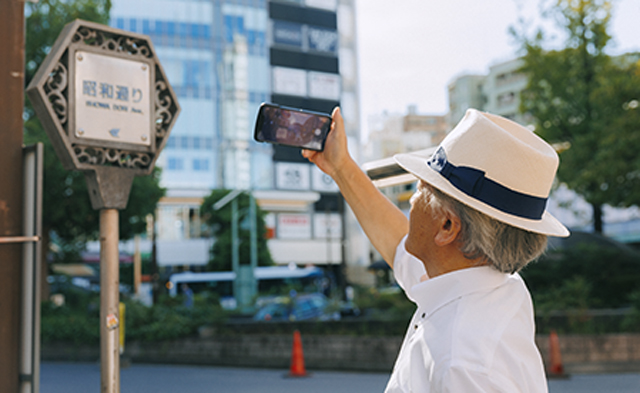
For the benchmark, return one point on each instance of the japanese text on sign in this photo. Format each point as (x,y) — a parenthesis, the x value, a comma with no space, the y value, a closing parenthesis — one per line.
(112,96)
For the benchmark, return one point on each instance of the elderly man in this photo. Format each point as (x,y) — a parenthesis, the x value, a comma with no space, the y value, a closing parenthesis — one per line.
(478,217)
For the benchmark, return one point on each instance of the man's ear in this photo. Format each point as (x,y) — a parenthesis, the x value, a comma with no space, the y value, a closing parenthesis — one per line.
(448,229)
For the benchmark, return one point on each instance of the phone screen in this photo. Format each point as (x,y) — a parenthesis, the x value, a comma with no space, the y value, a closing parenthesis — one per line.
(292,127)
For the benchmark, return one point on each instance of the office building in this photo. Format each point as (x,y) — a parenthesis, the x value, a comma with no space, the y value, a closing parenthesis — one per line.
(223,58)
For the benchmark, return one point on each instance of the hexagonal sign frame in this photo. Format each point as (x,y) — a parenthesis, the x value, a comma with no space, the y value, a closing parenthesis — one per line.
(113,121)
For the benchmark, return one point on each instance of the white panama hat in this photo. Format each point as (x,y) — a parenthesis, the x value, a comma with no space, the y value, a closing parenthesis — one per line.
(495,166)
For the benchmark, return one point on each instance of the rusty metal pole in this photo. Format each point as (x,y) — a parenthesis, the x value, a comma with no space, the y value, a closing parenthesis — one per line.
(11,190)
(109,300)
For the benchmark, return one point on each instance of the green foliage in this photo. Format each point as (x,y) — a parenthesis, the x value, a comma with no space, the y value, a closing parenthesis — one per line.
(578,95)
(385,304)
(632,321)
(220,223)
(61,325)
(170,319)
(617,156)
(143,199)
(77,322)
(582,277)
(45,20)
(67,208)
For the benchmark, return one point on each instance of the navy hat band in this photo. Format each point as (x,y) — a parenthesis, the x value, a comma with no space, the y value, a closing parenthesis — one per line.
(473,182)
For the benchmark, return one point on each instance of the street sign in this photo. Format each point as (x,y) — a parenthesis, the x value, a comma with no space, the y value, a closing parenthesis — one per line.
(112,101)
(107,107)
(106,104)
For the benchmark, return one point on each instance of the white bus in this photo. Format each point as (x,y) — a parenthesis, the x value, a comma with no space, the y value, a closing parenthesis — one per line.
(269,279)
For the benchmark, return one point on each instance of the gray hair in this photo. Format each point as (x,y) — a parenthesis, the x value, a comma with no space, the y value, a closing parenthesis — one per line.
(505,247)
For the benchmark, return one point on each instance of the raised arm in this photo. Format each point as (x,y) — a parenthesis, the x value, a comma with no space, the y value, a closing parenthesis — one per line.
(381,220)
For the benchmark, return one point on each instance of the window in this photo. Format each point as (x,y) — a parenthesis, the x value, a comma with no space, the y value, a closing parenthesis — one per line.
(171,143)
(146,27)
(196,74)
(133,25)
(171,29)
(183,29)
(208,143)
(175,164)
(201,164)
(184,142)
(197,142)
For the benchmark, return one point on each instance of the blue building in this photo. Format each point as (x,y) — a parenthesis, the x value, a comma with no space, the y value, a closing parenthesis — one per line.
(223,58)
(215,54)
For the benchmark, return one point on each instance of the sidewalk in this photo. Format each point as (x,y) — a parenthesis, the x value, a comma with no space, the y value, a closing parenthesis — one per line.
(144,378)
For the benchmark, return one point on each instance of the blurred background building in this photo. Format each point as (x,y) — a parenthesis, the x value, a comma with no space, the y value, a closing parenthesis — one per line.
(223,58)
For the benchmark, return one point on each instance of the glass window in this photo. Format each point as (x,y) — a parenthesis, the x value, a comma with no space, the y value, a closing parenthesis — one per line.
(175,164)
(208,143)
(197,142)
(184,142)
(120,23)
(171,29)
(146,27)
(183,29)
(194,30)
(171,143)
(228,28)
(201,164)
(196,74)
(133,24)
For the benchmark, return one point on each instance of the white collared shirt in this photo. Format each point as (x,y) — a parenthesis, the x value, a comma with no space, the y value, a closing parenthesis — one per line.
(473,331)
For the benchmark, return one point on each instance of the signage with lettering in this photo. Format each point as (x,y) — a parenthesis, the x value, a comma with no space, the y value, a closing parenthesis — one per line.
(322,40)
(287,33)
(105,102)
(292,176)
(289,81)
(327,225)
(324,85)
(113,103)
(294,226)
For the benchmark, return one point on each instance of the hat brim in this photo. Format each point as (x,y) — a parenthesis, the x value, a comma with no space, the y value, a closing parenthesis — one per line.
(547,225)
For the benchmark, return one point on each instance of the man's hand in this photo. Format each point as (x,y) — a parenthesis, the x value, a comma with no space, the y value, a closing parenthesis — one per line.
(336,154)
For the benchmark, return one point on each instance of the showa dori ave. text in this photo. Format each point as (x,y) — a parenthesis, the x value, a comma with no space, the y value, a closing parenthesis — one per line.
(123,97)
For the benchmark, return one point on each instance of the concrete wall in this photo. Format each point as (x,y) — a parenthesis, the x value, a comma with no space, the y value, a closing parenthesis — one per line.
(580,353)
(596,353)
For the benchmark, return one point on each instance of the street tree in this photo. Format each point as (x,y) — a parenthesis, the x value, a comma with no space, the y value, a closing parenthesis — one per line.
(219,221)
(617,156)
(67,212)
(565,96)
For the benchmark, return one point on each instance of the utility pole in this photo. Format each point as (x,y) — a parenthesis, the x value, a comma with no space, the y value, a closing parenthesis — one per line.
(11,188)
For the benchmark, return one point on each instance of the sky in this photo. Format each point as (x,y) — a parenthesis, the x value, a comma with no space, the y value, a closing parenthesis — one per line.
(410,50)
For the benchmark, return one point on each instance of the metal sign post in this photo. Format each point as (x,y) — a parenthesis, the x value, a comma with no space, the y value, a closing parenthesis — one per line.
(245,286)
(107,107)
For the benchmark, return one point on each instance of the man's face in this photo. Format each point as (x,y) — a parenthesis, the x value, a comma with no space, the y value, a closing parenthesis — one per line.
(421,224)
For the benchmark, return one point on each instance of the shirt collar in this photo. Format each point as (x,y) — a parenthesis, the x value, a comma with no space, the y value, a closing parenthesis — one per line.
(438,291)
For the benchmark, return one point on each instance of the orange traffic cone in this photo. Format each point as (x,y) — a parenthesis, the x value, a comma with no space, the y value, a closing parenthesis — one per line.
(555,370)
(297,358)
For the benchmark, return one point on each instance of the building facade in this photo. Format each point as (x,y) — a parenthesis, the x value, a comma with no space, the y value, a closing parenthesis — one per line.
(403,133)
(497,92)
(223,59)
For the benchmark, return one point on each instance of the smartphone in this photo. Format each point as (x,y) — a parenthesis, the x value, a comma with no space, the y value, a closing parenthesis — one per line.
(295,127)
